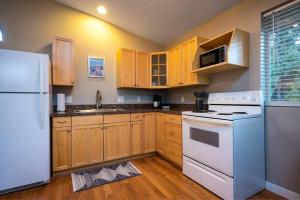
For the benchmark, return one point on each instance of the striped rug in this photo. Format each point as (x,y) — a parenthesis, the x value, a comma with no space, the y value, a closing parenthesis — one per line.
(102,175)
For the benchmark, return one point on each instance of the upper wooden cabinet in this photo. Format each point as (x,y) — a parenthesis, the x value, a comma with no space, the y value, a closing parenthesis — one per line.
(126,68)
(174,67)
(182,60)
(133,69)
(142,68)
(62,61)
(237,54)
(158,69)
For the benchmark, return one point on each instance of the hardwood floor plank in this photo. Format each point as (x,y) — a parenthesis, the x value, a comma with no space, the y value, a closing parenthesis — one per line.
(160,180)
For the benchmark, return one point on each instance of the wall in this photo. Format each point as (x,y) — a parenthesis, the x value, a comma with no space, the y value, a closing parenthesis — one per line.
(282,123)
(29,26)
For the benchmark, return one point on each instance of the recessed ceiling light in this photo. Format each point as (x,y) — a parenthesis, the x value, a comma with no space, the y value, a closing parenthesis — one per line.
(102,10)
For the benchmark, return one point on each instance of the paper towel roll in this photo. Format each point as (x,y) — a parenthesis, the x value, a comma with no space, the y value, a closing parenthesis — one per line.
(61,102)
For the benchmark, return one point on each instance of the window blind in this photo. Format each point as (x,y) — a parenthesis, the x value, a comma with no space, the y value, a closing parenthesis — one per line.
(280,55)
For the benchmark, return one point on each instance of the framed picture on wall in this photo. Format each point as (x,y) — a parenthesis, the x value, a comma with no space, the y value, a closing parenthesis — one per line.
(96,67)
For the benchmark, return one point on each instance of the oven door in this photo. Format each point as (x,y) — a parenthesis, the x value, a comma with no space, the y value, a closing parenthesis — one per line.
(210,142)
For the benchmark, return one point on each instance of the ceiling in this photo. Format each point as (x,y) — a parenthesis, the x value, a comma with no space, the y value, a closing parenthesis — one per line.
(160,21)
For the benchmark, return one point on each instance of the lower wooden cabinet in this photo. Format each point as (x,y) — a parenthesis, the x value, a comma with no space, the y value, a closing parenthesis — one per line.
(84,140)
(160,129)
(116,140)
(136,137)
(149,132)
(79,146)
(87,145)
(95,141)
(61,148)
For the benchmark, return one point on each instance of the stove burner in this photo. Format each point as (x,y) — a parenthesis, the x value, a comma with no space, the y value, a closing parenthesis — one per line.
(204,111)
(240,113)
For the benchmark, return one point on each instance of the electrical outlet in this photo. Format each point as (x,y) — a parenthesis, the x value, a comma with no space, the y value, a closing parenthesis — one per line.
(138,99)
(121,99)
(182,99)
(69,99)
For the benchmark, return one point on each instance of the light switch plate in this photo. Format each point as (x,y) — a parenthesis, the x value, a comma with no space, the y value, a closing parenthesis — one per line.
(138,99)
(121,99)
(69,99)
(182,99)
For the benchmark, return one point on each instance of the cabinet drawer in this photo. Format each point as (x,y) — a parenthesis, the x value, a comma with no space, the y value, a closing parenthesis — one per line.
(173,132)
(173,152)
(87,120)
(176,119)
(136,117)
(115,118)
(61,122)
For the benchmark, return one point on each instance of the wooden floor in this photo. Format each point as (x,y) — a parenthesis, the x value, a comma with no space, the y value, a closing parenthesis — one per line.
(160,180)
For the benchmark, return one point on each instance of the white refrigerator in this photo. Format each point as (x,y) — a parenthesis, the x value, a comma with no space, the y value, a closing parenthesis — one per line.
(24,120)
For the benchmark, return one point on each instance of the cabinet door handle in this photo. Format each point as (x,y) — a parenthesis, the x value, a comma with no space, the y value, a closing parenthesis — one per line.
(61,122)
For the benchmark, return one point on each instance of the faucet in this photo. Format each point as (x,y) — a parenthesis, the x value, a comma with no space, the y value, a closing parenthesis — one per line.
(98,100)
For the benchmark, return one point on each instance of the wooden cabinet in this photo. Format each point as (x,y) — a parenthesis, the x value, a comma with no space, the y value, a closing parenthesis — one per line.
(160,128)
(136,137)
(133,69)
(61,148)
(80,146)
(174,67)
(173,138)
(87,140)
(110,142)
(62,61)
(116,140)
(125,68)
(158,65)
(142,70)
(149,132)
(95,144)
(190,61)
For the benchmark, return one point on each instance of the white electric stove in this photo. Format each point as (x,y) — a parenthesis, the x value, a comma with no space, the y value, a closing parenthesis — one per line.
(224,148)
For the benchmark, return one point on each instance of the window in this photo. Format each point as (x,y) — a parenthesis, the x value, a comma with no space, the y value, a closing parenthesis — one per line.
(280,55)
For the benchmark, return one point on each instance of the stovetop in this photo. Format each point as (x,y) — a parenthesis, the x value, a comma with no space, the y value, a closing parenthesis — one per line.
(223,115)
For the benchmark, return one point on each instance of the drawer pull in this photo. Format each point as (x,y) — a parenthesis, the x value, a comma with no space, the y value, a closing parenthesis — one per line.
(61,122)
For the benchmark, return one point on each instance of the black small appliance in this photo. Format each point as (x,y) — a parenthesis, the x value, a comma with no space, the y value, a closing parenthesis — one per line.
(157,101)
(201,101)
(213,57)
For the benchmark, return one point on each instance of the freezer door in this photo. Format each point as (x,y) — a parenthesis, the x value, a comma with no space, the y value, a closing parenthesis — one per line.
(23,72)
(24,139)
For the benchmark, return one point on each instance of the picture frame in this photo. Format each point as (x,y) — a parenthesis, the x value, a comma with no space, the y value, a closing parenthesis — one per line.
(96,67)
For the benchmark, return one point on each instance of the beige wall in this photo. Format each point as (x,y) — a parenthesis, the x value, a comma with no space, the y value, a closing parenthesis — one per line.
(29,26)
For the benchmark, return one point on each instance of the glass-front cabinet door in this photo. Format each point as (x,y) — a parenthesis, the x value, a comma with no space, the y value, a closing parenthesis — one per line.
(159,69)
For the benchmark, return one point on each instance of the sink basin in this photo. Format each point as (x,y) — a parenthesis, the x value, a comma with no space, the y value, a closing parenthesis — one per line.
(98,110)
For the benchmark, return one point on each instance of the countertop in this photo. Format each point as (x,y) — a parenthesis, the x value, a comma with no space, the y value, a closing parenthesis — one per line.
(176,111)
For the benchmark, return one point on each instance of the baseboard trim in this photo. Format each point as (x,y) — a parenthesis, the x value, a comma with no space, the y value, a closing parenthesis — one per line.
(282,191)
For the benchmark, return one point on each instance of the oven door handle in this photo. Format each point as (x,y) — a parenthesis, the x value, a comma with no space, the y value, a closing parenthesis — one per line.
(206,120)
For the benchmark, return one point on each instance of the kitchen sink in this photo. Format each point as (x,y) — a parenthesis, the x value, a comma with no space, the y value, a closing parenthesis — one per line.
(98,110)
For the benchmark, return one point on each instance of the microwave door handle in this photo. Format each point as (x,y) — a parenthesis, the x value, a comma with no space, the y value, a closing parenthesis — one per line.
(206,121)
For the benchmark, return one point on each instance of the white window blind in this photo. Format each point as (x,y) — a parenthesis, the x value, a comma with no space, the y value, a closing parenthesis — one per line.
(280,55)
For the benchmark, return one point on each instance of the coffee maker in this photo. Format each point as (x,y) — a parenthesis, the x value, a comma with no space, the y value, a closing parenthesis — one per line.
(201,101)
(157,101)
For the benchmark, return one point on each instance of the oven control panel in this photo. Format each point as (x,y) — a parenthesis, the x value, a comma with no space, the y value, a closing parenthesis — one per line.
(236,98)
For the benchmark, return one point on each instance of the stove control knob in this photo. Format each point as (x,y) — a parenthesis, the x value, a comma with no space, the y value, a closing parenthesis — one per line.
(253,98)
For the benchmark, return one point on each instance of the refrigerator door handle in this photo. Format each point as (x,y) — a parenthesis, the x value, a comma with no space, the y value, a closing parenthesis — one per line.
(41,68)
(42,117)
(42,111)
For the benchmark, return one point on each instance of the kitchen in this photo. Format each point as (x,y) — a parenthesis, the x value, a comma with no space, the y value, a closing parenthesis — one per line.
(40,26)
